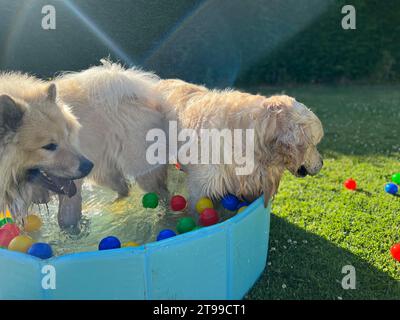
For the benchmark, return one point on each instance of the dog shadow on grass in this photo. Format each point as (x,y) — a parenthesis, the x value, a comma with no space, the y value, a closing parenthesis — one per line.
(302,265)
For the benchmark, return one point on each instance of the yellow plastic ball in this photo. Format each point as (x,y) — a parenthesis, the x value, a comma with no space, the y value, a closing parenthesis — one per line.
(241,209)
(21,243)
(203,203)
(32,223)
(130,244)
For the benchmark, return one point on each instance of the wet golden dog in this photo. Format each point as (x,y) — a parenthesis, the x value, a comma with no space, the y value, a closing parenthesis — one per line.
(286,137)
(38,143)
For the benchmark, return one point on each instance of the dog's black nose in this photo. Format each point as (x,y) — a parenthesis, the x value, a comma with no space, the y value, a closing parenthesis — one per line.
(302,171)
(85,166)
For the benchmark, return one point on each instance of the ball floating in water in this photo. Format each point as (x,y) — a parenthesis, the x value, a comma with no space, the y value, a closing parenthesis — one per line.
(185,224)
(109,243)
(350,184)
(165,234)
(204,203)
(12,228)
(396,178)
(242,204)
(241,209)
(5,238)
(208,217)
(41,250)
(391,188)
(32,223)
(21,243)
(150,200)
(230,202)
(395,251)
(178,203)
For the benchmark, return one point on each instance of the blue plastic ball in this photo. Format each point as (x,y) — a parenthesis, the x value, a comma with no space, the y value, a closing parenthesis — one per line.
(391,188)
(41,250)
(109,243)
(164,234)
(230,202)
(242,204)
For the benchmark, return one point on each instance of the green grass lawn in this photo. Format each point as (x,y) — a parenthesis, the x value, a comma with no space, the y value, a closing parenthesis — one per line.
(317,226)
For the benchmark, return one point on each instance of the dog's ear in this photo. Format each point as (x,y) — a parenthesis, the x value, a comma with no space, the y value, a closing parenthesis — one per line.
(52,93)
(10,115)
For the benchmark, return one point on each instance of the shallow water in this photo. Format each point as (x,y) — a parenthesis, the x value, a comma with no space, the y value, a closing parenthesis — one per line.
(103,216)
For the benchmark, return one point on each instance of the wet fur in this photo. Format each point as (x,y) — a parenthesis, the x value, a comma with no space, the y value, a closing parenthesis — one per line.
(116,107)
(286,135)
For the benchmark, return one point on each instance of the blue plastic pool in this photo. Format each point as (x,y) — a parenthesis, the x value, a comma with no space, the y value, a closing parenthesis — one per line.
(218,262)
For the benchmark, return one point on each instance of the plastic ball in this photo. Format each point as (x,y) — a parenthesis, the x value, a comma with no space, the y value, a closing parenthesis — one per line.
(204,203)
(395,251)
(5,238)
(241,209)
(21,243)
(166,233)
(350,184)
(130,244)
(32,223)
(242,204)
(230,202)
(109,243)
(208,217)
(178,203)
(391,188)
(185,224)
(41,250)
(197,228)
(396,178)
(150,200)
(12,228)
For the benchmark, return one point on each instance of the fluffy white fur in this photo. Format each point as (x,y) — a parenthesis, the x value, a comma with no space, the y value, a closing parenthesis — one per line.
(286,135)
(116,107)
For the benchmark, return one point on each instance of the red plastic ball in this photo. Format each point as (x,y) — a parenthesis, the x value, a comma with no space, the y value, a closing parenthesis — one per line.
(350,184)
(178,203)
(395,251)
(12,228)
(5,238)
(208,217)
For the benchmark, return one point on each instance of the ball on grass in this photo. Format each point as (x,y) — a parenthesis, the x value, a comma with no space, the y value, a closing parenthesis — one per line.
(391,188)
(395,251)
(350,184)
(41,250)
(396,178)
(109,243)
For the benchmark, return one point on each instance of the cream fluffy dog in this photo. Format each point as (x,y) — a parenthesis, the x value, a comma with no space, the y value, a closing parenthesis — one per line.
(115,107)
(38,143)
(286,136)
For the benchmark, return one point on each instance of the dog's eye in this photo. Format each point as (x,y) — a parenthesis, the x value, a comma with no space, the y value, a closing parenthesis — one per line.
(50,147)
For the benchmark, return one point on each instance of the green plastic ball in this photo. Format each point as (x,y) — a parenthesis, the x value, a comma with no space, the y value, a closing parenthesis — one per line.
(197,228)
(185,225)
(150,200)
(396,178)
